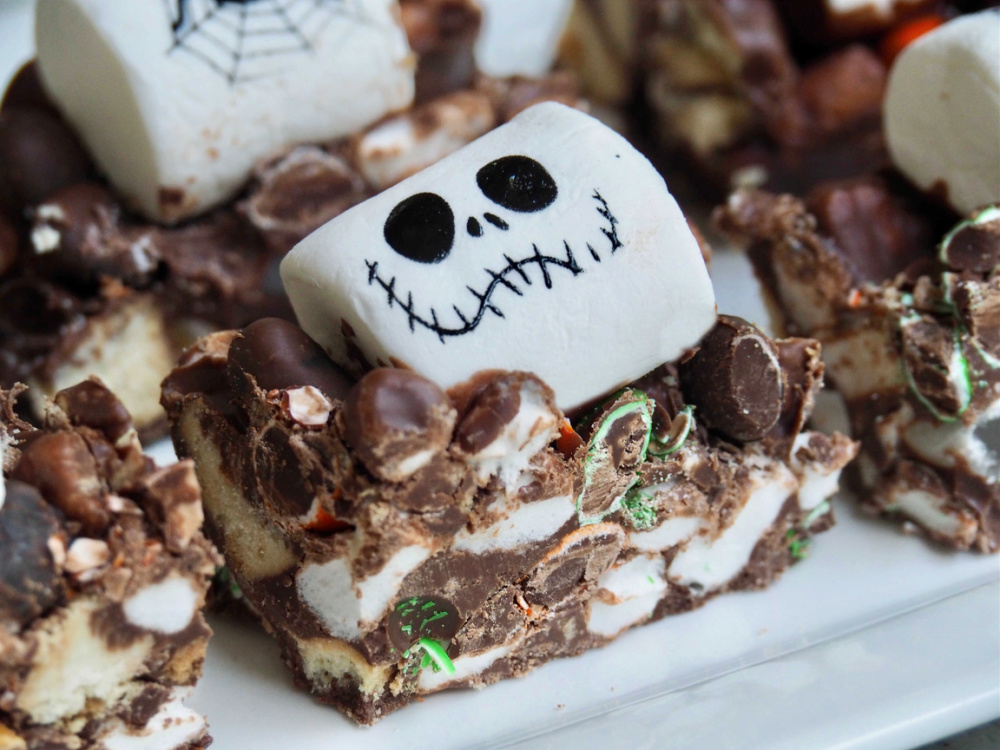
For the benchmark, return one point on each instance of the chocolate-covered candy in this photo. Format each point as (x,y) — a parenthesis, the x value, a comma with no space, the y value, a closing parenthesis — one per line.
(936,366)
(396,421)
(974,245)
(734,380)
(8,244)
(279,355)
(38,155)
(29,581)
(61,466)
(422,617)
(90,403)
(619,443)
(78,235)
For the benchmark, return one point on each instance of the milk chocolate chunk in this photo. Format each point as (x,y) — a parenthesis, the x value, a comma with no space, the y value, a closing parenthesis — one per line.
(582,558)
(734,380)
(936,366)
(60,465)
(279,355)
(279,473)
(422,617)
(29,581)
(38,155)
(25,90)
(397,421)
(90,403)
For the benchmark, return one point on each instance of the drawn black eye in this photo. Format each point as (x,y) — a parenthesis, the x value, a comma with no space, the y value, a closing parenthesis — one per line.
(518,183)
(421,228)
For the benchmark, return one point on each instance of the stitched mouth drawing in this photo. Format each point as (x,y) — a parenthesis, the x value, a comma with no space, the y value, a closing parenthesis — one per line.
(421,228)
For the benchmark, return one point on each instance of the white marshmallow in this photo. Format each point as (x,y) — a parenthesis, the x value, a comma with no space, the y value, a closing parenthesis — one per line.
(177,100)
(942,110)
(585,272)
(883,9)
(520,37)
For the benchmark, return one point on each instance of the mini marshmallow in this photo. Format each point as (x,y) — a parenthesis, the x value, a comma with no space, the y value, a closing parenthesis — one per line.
(177,100)
(520,37)
(942,111)
(549,245)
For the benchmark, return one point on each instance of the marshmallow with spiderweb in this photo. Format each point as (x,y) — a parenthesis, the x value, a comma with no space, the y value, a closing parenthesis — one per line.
(520,37)
(177,99)
(549,245)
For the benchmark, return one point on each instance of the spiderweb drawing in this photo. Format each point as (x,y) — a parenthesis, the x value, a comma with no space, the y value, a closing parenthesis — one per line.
(243,40)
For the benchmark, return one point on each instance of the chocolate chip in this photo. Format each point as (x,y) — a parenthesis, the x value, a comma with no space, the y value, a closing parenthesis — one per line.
(38,155)
(278,355)
(422,617)
(9,244)
(90,403)
(392,418)
(974,247)
(492,407)
(734,380)
(60,465)
(29,581)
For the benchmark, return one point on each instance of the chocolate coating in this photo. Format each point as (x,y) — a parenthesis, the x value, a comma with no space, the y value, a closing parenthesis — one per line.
(38,155)
(90,403)
(422,617)
(63,469)
(279,354)
(391,415)
(9,244)
(25,89)
(29,582)
(278,470)
(734,380)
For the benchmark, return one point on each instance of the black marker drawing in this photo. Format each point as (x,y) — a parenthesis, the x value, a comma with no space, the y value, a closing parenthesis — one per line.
(243,40)
(510,277)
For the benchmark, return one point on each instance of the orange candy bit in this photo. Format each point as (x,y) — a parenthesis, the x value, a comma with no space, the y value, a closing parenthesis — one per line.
(324,523)
(568,441)
(902,36)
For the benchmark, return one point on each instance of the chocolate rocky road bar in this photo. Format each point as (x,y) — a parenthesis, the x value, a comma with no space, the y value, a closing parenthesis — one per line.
(103,578)
(397,539)
(88,285)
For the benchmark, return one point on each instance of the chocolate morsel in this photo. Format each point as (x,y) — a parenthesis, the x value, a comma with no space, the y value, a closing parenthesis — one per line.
(90,403)
(278,469)
(63,469)
(422,617)
(974,247)
(29,582)
(396,420)
(492,407)
(279,355)
(582,557)
(38,155)
(734,380)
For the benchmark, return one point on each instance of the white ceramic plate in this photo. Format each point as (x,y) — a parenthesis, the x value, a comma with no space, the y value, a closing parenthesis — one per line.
(877,641)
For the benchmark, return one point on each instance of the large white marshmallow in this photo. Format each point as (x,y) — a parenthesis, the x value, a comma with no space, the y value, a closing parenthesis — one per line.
(942,110)
(520,37)
(176,99)
(585,272)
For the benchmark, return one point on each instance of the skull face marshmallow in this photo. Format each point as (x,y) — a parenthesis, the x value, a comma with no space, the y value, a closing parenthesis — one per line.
(548,245)
(177,99)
